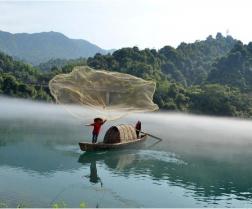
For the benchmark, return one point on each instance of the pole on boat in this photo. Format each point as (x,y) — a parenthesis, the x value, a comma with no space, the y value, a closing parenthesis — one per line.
(152,136)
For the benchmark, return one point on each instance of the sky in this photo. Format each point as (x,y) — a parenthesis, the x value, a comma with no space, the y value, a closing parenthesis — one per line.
(113,24)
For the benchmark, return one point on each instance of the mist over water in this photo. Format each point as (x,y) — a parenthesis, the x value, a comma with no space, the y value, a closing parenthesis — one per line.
(178,124)
(201,161)
(215,137)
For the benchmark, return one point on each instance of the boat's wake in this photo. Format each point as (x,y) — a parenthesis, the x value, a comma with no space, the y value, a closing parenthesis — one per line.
(167,157)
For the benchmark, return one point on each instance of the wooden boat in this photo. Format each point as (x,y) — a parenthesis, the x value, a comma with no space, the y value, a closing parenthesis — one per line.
(117,137)
(85,146)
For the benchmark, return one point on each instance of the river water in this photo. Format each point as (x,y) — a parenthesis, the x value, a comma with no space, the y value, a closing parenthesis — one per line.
(201,161)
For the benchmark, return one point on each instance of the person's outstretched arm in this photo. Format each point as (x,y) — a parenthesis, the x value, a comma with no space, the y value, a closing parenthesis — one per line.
(92,124)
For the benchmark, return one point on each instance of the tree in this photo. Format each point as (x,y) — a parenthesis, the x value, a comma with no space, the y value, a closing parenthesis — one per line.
(10,85)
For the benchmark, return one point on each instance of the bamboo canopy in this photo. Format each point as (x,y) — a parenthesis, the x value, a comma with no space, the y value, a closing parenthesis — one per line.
(120,134)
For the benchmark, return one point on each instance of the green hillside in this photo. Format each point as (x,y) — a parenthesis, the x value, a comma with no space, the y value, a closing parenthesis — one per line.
(41,47)
(206,77)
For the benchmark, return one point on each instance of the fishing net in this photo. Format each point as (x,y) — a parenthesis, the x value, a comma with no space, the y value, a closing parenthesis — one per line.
(107,94)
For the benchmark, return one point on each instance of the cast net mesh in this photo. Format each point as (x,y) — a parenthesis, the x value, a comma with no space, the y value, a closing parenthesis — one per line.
(110,95)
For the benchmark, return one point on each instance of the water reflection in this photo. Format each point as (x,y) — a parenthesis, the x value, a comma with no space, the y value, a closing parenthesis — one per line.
(205,177)
(117,161)
(93,176)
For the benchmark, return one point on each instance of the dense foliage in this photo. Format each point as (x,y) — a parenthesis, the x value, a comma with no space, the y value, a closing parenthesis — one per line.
(210,99)
(18,79)
(188,64)
(234,69)
(23,80)
(206,77)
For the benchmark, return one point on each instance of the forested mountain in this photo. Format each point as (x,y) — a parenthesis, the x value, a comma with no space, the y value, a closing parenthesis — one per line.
(200,56)
(189,64)
(206,77)
(17,79)
(234,69)
(41,47)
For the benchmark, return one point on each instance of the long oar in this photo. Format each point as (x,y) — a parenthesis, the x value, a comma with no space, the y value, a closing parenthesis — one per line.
(152,135)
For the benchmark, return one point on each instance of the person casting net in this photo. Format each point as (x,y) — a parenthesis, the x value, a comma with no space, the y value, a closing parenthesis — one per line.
(110,95)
